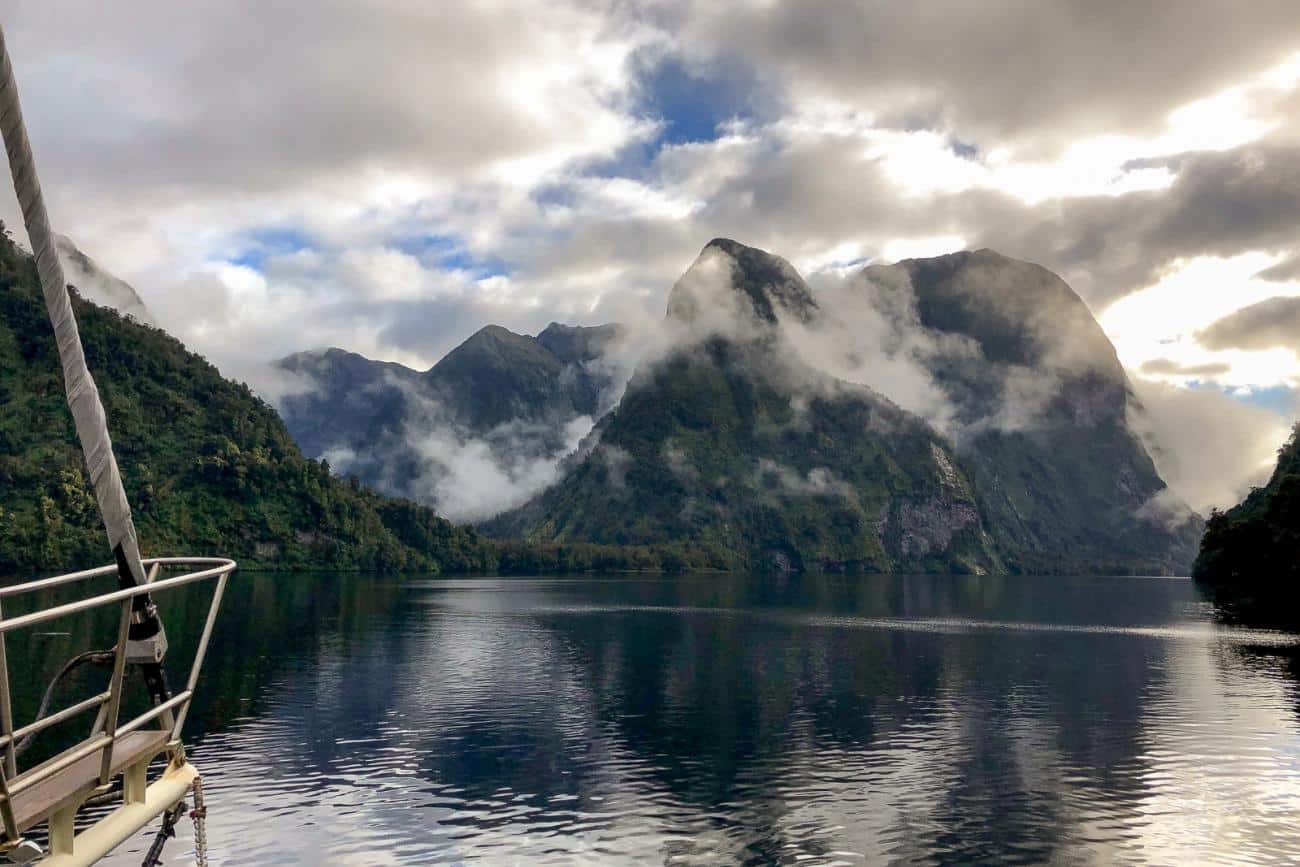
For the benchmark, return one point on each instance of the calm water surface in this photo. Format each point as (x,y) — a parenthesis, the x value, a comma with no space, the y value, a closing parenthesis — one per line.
(879,720)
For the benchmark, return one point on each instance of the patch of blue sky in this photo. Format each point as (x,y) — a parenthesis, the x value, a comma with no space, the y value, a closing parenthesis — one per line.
(690,104)
(695,103)
(449,253)
(963,149)
(254,248)
(1280,399)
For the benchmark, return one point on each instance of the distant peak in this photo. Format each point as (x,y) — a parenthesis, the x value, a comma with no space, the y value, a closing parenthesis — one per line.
(727,245)
(494,331)
(96,284)
(770,283)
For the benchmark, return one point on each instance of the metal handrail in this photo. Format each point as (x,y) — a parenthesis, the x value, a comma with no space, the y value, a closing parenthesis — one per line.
(10,624)
(106,731)
(55,718)
(73,577)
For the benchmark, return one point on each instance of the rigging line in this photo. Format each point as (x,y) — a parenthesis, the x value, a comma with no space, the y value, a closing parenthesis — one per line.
(79,385)
(148,642)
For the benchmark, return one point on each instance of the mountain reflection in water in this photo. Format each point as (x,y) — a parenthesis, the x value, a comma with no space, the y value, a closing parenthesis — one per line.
(721,720)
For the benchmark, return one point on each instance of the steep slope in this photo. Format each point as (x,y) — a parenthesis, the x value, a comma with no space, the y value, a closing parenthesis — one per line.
(732,444)
(1040,414)
(209,468)
(96,284)
(1250,556)
(523,399)
(361,401)
(732,440)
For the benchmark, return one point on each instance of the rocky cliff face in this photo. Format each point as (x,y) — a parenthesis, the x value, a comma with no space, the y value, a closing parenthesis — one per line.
(1039,414)
(733,443)
(734,440)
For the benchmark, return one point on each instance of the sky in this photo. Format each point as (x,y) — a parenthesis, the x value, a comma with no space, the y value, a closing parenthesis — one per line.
(389,176)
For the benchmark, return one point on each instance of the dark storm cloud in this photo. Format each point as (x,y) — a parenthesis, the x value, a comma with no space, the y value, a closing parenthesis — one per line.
(1220,204)
(1283,272)
(1004,71)
(1275,322)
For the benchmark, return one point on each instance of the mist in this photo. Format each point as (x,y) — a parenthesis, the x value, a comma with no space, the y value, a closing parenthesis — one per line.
(1208,447)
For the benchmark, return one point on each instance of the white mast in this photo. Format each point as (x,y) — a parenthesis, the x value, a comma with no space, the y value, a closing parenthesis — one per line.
(83,396)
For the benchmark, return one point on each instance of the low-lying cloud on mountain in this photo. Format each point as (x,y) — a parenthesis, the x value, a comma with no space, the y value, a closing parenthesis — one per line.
(1120,148)
(865,329)
(481,431)
(733,439)
(1149,156)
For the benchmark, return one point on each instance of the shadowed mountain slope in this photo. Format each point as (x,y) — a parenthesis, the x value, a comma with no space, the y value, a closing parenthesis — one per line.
(731,440)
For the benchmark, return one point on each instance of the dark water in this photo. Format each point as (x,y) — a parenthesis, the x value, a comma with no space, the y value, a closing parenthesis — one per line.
(880,720)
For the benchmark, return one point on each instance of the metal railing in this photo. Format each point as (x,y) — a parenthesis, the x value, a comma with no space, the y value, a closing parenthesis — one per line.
(106,731)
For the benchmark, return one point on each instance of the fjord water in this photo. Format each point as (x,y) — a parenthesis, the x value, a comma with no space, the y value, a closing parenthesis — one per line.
(729,720)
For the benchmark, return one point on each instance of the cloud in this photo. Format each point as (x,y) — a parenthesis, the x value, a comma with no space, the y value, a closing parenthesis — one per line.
(1271,323)
(388,177)
(1172,368)
(1286,271)
(1016,73)
(818,482)
(464,475)
(472,479)
(1208,447)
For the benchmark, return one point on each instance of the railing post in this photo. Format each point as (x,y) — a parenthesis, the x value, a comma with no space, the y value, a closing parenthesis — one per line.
(7,811)
(115,693)
(199,653)
(63,831)
(134,783)
(10,769)
(7,711)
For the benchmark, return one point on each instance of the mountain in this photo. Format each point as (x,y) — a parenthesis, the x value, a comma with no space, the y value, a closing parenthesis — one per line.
(96,284)
(1040,411)
(733,442)
(514,400)
(209,468)
(1250,556)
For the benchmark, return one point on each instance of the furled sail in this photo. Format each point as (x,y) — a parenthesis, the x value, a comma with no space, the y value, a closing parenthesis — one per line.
(79,386)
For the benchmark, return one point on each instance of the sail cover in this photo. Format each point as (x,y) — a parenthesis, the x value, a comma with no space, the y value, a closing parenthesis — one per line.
(79,386)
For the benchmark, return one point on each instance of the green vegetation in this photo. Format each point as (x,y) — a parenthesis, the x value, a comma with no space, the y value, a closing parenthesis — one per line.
(737,447)
(709,448)
(209,467)
(515,393)
(1250,554)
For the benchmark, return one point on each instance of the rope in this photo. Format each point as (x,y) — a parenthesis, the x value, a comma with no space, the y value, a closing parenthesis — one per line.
(99,657)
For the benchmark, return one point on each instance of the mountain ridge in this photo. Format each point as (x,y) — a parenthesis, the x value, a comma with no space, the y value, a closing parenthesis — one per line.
(522,398)
(1041,503)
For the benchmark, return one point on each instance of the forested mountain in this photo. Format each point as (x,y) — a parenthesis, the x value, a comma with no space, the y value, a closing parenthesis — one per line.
(1041,414)
(524,398)
(1250,555)
(732,441)
(209,467)
(734,444)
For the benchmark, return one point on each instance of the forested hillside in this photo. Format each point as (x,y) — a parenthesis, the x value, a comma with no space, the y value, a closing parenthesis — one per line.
(208,466)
